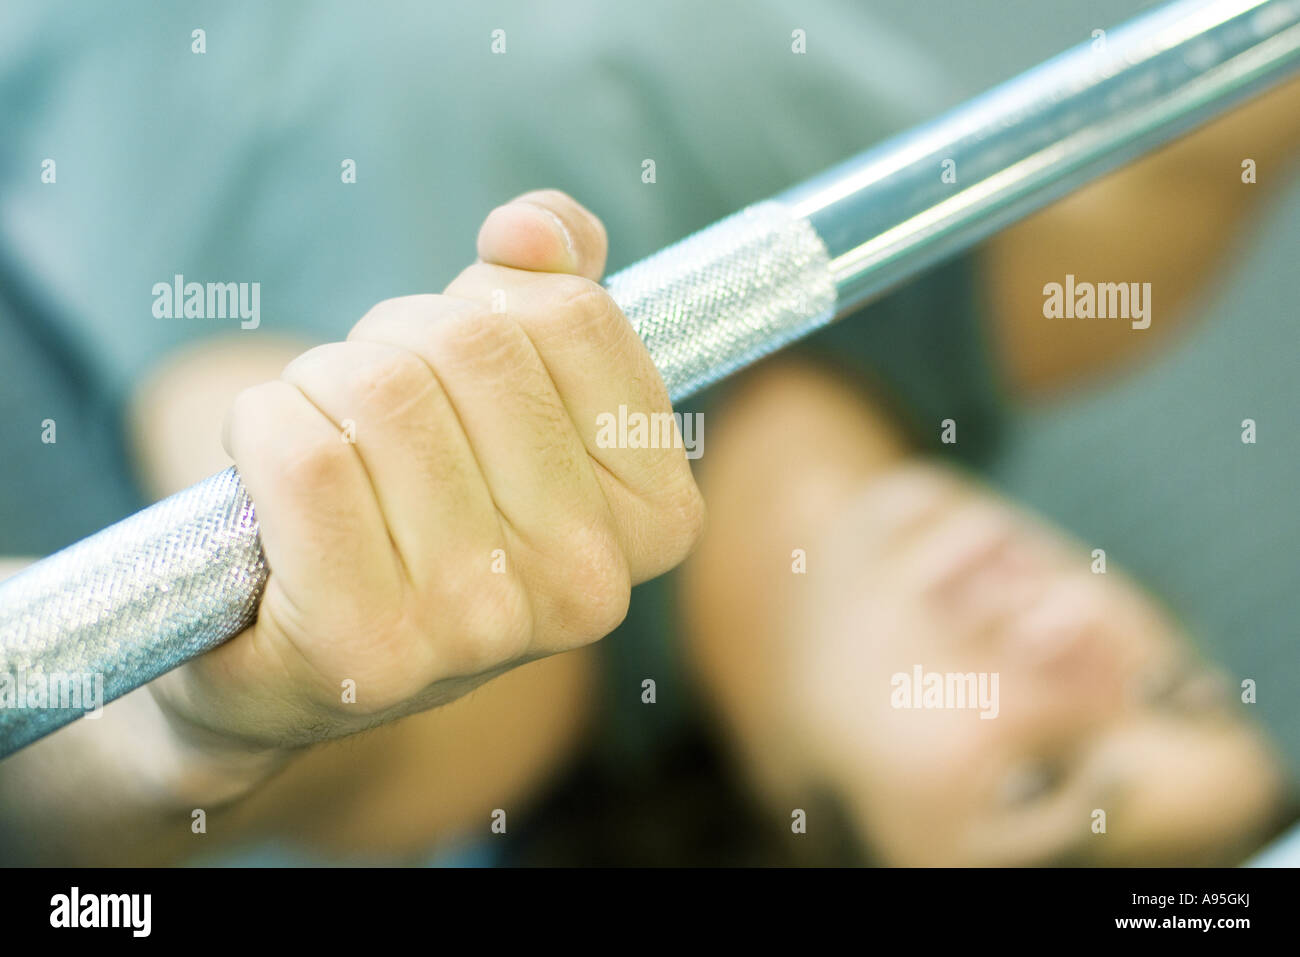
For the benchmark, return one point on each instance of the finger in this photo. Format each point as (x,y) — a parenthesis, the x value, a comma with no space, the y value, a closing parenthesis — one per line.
(387,402)
(505,402)
(318,516)
(544,231)
(616,399)
(535,466)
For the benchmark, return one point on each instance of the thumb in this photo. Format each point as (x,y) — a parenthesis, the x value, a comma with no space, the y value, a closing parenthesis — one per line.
(544,231)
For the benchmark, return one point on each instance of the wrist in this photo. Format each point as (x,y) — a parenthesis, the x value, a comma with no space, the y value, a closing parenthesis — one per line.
(206,766)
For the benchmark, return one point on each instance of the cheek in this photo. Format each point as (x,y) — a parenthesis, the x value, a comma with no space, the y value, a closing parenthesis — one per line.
(870,733)
(853,675)
(845,692)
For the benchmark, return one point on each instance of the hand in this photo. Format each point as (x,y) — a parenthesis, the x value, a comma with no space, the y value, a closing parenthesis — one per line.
(434,507)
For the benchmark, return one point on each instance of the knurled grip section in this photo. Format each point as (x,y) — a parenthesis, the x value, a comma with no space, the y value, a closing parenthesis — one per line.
(177,579)
(727,295)
(128,604)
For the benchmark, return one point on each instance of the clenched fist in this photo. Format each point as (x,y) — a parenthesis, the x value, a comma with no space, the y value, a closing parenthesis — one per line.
(434,507)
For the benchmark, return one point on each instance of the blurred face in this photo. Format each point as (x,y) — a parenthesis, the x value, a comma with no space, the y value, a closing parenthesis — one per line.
(977,694)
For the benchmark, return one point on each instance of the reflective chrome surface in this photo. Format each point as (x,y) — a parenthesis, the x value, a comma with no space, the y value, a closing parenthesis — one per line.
(164,585)
(888,213)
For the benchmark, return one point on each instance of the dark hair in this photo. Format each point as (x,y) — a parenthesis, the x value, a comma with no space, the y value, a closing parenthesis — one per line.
(685,806)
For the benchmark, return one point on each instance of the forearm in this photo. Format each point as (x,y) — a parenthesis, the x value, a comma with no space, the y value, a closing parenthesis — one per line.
(121,788)
(1169,220)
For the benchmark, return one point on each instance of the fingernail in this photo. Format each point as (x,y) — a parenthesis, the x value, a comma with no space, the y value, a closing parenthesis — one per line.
(560,227)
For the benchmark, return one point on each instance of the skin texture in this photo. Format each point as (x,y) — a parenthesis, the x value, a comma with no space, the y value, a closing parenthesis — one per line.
(233,731)
(472,524)
(473,442)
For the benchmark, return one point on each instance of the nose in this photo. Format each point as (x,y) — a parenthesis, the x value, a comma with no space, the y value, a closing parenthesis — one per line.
(1062,640)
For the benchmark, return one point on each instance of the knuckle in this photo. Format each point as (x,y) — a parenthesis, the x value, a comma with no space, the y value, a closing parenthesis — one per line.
(389,381)
(676,520)
(309,458)
(688,517)
(610,611)
(680,516)
(472,281)
(583,308)
(388,310)
(247,409)
(494,628)
(314,462)
(384,309)
(481,339)
(597,585)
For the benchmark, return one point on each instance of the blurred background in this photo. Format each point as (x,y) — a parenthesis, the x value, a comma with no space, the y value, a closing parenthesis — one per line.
(227,165)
